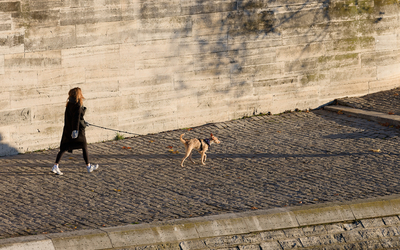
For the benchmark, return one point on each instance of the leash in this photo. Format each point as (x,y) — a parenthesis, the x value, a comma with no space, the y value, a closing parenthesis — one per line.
(97,126)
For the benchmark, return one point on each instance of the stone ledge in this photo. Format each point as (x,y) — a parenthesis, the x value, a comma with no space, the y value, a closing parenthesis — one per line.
(210,226)
(370,115)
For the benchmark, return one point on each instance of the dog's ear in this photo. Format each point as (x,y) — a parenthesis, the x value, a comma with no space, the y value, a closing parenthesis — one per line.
(212,135)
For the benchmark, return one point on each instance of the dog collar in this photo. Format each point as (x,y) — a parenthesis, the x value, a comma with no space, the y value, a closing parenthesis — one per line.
(207,141)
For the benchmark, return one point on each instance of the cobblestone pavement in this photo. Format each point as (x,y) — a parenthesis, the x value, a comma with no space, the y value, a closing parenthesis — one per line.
(385,102)
(262,162)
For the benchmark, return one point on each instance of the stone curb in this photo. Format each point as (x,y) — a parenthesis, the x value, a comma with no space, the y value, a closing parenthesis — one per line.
(210,226)
(370,115)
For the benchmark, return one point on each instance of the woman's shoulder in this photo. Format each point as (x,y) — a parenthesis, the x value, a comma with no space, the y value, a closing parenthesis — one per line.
(73,106)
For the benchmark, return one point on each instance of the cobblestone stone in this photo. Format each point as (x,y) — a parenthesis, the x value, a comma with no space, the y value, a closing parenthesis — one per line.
(252,238)
(315,241)
(337,247)
(334,228)
(156,247)
(391,242)
(314,230)
(272,235)
(371,233)
(274,245)
(352,226)
(290,244)
(249,247)
(195,244)
(370,223)
(389,231)
(373,244)
(390,221)
(352,236)
(293,232)
(224,241)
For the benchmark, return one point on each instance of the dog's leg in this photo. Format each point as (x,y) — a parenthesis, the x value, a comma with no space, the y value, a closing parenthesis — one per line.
(190,157)
(188,152)
(203,158)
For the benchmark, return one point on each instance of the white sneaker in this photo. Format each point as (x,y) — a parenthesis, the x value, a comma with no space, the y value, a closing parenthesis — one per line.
(56,170)
(92,167)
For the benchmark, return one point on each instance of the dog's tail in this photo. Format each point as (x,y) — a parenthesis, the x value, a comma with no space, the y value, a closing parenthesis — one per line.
(182,140)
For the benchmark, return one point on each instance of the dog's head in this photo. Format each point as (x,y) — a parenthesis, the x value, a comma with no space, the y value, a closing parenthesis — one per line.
(215,139)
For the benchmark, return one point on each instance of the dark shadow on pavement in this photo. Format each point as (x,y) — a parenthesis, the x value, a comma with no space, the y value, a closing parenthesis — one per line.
(218,156)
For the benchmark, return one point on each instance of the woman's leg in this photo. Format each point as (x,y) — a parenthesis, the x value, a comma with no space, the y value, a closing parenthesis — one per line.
(85,154)
(55,169)
(59,155)
(90,167)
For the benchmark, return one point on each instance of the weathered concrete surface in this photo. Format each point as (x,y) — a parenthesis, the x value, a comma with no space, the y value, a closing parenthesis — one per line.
(151,66)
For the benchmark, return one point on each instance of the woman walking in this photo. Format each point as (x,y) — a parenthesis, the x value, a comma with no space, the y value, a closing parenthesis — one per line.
(73,136)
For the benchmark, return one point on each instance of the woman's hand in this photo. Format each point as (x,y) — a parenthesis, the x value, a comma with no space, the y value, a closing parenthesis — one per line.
(75,134)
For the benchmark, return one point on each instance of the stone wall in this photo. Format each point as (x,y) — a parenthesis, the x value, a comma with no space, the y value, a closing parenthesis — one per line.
(153,65)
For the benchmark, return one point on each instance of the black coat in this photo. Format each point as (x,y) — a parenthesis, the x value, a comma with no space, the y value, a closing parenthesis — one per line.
(73,120)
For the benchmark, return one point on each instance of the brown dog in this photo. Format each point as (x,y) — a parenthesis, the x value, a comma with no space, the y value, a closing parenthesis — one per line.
(199,144)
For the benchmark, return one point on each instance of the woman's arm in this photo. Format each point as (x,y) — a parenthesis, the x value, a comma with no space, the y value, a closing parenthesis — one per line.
(76,114)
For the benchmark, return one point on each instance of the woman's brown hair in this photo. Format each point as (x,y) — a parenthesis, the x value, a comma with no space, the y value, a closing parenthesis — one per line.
(75,96)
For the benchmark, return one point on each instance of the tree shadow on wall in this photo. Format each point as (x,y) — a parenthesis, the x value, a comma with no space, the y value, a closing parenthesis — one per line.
(256,26)
(251,30)
(235,39)
(237,42)
(5,149)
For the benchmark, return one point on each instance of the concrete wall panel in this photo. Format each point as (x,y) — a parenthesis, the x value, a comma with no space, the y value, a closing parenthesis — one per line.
(90,14)
(164,28)
(33,61)
(37,96)
(106,33)
(61,77)
(386,42)
(50,38)
(17,80)
(1,64)
(388,71)
(381,85)
(91,57)
(11,42)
